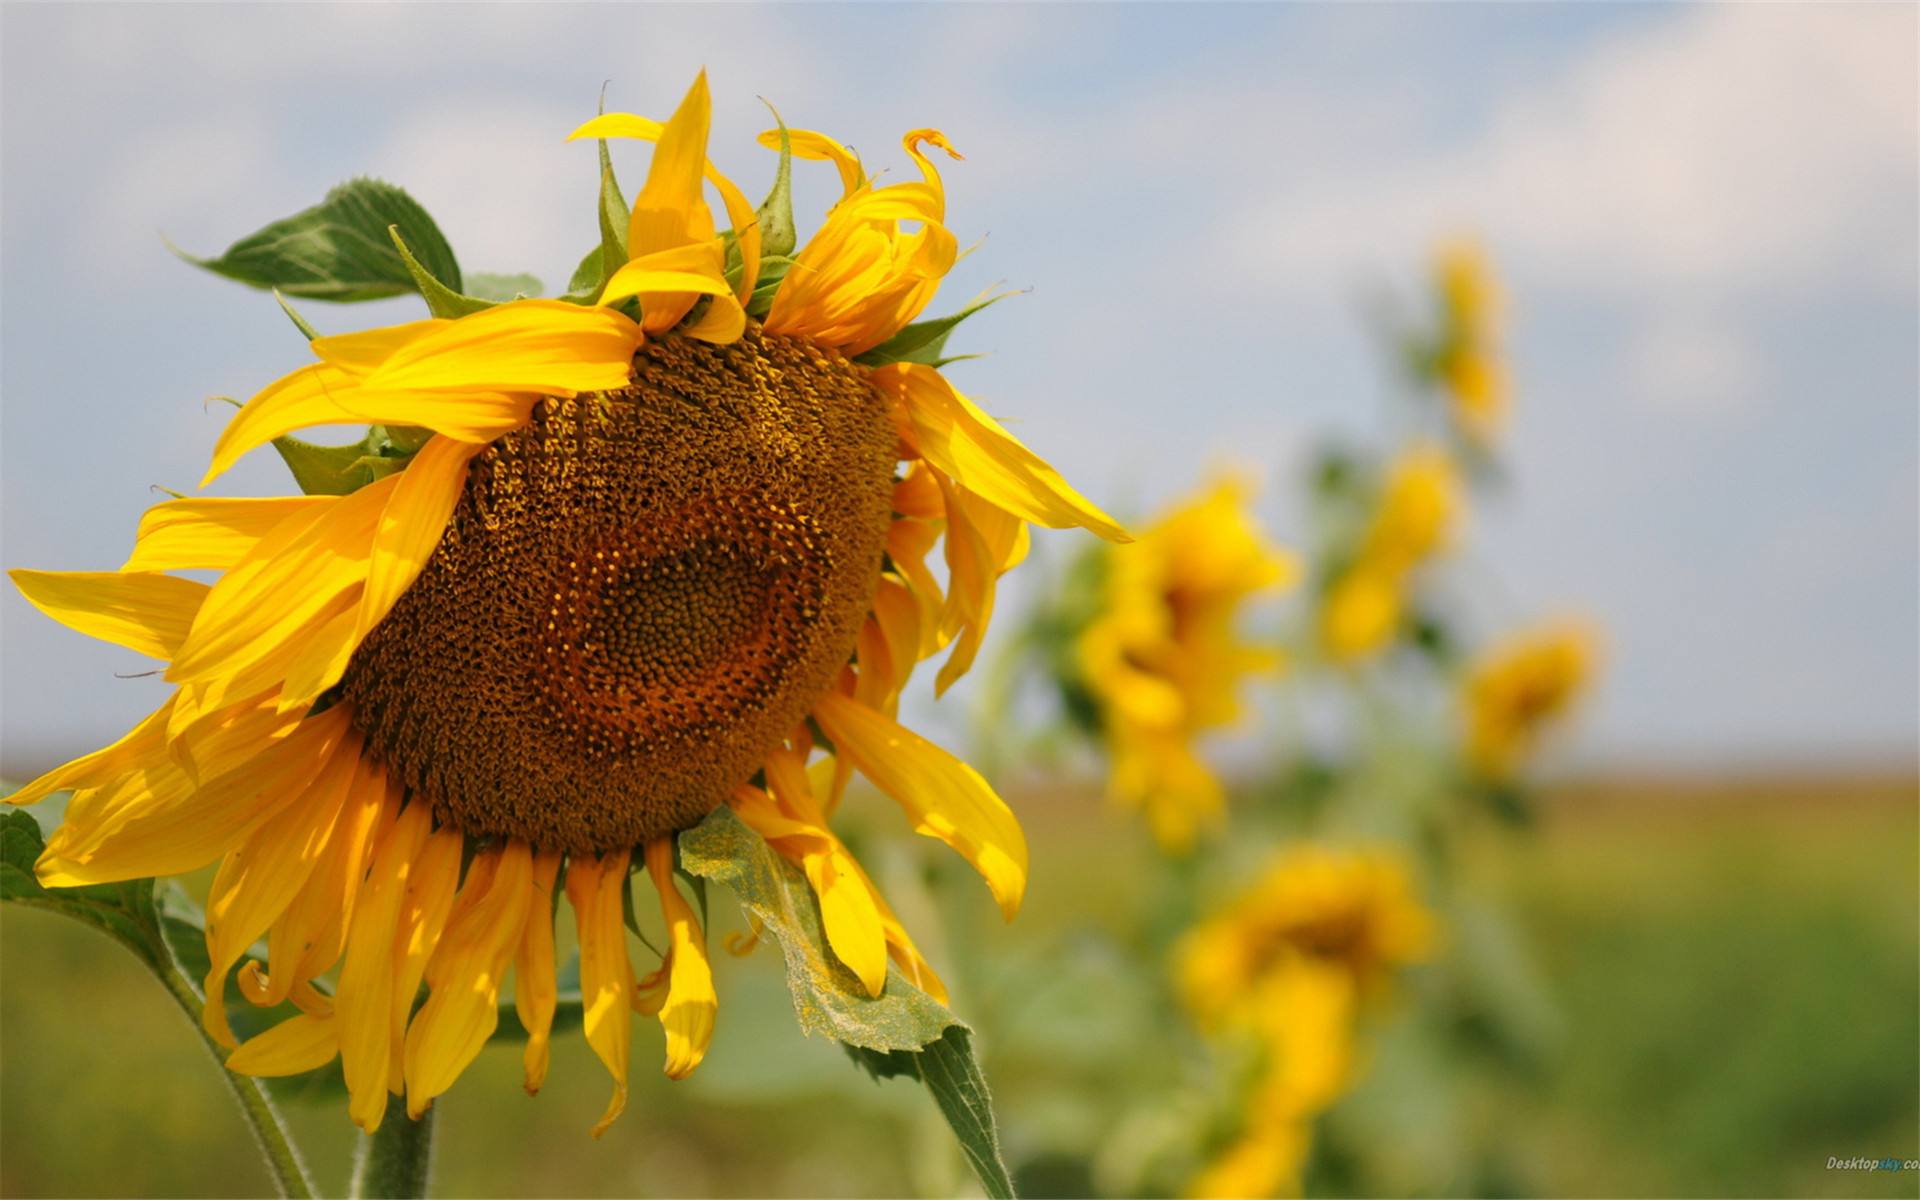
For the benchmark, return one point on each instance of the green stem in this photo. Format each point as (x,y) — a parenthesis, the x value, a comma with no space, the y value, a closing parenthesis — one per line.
(269,1130)
(394,1162)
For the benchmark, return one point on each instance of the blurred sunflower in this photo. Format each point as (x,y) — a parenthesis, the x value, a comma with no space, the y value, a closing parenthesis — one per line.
(1294,964)
(1415,517)
(1519,688)
(1163,657)
(650,555)
(1465,359)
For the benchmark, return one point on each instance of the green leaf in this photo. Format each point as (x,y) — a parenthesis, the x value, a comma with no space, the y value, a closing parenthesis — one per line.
(775,214)
(827,997)
(337,470)
(442,300)
(339,249)
(122,911)
(951,1072)
(924,341)
(502,288)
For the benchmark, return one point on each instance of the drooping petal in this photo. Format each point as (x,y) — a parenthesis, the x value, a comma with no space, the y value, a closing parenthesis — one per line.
(535,986)
(594,889)
(691,1003)
(944,797)
(364,1001)
(309,936)
(145,611)
(973,450)
(209,532)
(302,399)
(299,1044)
(260,877)
(465,973)
(423,915)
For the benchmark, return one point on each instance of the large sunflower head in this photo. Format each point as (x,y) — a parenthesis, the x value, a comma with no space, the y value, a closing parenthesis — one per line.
(612,562)
(1163,655)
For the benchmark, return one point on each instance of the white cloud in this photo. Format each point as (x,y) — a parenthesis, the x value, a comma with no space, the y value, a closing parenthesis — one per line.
(1729,148)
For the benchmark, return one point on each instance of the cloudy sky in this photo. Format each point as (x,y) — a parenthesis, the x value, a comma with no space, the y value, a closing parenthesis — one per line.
(1707,218)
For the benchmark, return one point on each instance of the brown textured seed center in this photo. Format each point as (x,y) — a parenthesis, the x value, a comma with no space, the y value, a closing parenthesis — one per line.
(638,595)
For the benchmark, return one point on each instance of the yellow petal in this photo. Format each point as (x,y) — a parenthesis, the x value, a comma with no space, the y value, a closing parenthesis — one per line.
(310,396)
(535,985)
(178,535)
(177,837)
(411,526)
(145,611)
(465,973)
(944,797)
(595,888)
(973,450)
(423,915)
(285,587)
(299,1044)
(143,742)
(362,353)
(307,939)
(691,1003)
(543,347)
(365,998)
(260,877)
(805,143)
(796,830)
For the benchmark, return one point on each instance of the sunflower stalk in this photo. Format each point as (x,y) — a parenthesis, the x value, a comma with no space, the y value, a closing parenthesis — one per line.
(395,1161)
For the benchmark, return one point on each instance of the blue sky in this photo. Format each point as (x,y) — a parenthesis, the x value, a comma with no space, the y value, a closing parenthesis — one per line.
(1707,218)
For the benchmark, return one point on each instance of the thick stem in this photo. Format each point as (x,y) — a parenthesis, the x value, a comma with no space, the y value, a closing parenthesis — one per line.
(269,1131)
(393,1163)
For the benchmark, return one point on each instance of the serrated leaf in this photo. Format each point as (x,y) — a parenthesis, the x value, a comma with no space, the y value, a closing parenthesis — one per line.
(926,341)
(502,288)
(339,249)
(950,1071)
(828,998)
(338,470)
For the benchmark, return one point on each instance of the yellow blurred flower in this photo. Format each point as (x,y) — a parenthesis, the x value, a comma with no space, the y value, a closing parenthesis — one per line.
(634,564)
(1164,657)
(1467,362)
(1415,517)
(1519,688)
(1295,963)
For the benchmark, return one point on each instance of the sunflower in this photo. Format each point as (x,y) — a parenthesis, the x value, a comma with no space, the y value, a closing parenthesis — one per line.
(1294,964)
(1164,659)
(1519,689)
(1466,359)
(1415,517)
(648,555)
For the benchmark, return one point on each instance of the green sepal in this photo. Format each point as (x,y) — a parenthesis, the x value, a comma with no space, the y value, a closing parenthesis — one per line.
(442,300)
(925,341)
(338,249)
(775,214)
(293,314)
(338,470)
(502,288)
(773,269)
(951,1072)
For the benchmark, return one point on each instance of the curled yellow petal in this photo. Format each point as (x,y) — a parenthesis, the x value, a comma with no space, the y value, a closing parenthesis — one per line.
(691,1004)
(147,612)
(594,889)
(364,1001)
(535,986)
(805,143)
(972,449)
(944,797)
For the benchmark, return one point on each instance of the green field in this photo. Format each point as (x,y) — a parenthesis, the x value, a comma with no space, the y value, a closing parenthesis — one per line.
(1734,969)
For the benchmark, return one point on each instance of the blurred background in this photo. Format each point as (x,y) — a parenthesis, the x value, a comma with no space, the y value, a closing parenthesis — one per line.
(1705,220)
